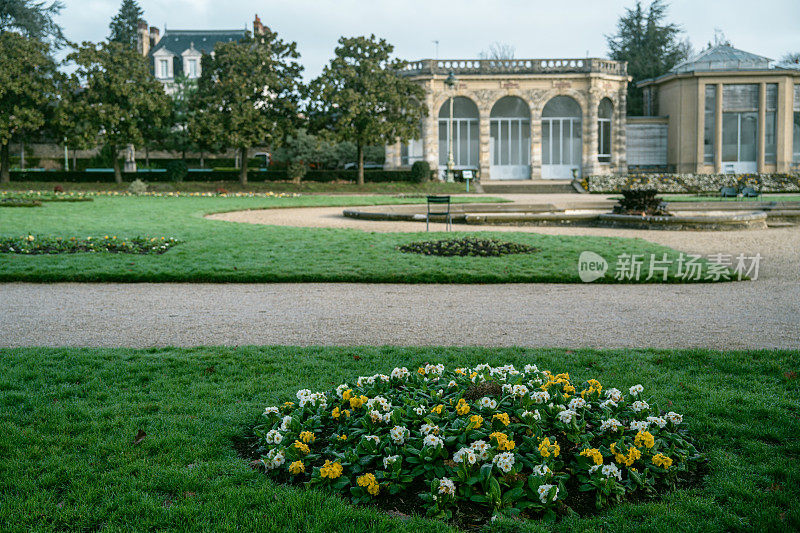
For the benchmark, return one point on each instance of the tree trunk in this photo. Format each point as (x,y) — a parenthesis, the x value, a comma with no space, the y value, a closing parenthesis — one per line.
(117,170)
(147,156)
(243,168)
(202,159)
(5,164)
(360,179)
(22,156)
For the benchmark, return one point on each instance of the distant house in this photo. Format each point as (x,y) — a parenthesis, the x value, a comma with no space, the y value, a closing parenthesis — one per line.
(178,53)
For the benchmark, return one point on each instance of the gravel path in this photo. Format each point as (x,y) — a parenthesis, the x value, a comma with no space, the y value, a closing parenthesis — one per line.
(762,314)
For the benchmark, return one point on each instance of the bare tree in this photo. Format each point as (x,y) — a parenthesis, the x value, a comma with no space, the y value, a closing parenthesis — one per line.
(498,50)
(792,58)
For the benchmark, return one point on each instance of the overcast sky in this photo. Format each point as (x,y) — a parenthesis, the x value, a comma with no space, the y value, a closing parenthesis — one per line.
(535,28)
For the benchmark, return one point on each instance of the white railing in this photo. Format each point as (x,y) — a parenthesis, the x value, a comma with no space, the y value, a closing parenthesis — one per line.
(515,66)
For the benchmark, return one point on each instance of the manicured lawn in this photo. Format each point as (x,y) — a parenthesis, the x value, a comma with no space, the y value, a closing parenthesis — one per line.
(218,251)
(306,187)
(69,417)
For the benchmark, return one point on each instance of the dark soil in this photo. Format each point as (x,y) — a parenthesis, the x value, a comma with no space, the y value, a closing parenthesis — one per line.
(467,246)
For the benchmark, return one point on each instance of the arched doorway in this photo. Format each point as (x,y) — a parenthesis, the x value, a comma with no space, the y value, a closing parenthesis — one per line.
(466,141)
(510,139)
(561,138)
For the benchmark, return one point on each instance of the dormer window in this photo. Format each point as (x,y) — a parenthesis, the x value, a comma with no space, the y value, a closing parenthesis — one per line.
(191,68)
(163,68)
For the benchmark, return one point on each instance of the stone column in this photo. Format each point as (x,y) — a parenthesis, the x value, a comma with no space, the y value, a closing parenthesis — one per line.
(619,123)
(536,141)
(392,160)
(718,132)
(430,136)
(762,122)
(590,135)
(484,156)
(701,127)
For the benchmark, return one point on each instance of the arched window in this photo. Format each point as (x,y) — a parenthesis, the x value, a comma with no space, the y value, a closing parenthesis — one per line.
(561,138)
(510,139)
(466,142)
(604,114)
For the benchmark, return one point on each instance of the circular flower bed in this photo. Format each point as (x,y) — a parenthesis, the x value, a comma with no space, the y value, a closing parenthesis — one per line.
(37,245)
(471,246)
(477,441)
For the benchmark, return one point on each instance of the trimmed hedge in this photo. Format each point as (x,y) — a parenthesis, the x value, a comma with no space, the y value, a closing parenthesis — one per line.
(371,176)
(692,183)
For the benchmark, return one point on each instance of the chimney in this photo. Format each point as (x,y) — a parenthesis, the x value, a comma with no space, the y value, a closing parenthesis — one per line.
(142,39)
(258,27)
(155,36)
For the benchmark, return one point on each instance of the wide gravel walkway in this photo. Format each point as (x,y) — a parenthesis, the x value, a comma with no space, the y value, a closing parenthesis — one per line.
(763,314)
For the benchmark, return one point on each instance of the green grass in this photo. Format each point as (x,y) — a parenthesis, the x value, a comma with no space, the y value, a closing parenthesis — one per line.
(218,251)
(306,187)
(69,417)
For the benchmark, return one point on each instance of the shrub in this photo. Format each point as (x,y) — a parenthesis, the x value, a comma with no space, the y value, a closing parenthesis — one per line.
(137,186)
(641,202)
(177,171)
(510,442)
(420,171)
(39,245)
(467,246)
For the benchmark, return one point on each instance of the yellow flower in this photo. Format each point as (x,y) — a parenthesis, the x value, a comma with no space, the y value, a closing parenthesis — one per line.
(342,437)
(369,481)
(569,389)
(346,395)
(461,407)
(503,442)
(547,449)
(477,420)
(437,409)
(301,447)
(503,418)
(421,371)
(595,454)
(307,437)
(336,413)
(297,467)
(330,470)
(644,438)
(626,459)
(346,413)
(288,405)
(358,401)
(662,460)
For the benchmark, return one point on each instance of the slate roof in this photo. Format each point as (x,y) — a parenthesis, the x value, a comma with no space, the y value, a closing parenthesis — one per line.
(178,41)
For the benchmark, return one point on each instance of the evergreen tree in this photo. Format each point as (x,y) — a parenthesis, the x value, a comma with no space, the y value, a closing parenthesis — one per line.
(125,24)
(32,19)
(649,44)
(361,97)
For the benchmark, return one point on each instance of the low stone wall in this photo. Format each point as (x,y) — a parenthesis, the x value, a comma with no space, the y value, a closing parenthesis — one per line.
(692,183)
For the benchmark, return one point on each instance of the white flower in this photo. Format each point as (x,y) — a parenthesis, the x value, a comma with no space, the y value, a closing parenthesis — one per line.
(434,369)
(504,461)
(274,437)
(398,434)
(420,410)
(639,425)
(374,438)
(577,403)
(541,470)
(567,415)
(340,390)
(507,388)
(376,417)
(481,449)
(400,373)
(452,383)
(446,486)
(433,441)
(427,429)
(638,406)
(593,469)
(540,396)
(674,417)
(465,455)
(270,411)
(381,402)
(635,390)
(611,470)
(317,399)
(285,423)
(488,403)
(275,458)
(543,490)
(531,368)
(657,420)
(606,403)
(532,414)
(614,394)
(519,391)
(390,460)
(612,423)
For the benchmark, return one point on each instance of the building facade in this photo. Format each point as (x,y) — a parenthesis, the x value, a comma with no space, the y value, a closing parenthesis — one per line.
(520,119)
(728,111)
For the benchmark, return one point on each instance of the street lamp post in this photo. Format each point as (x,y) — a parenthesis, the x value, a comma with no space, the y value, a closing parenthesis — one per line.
(450,82)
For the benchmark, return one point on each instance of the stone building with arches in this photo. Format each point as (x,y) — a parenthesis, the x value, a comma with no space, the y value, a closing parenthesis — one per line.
(521,119)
